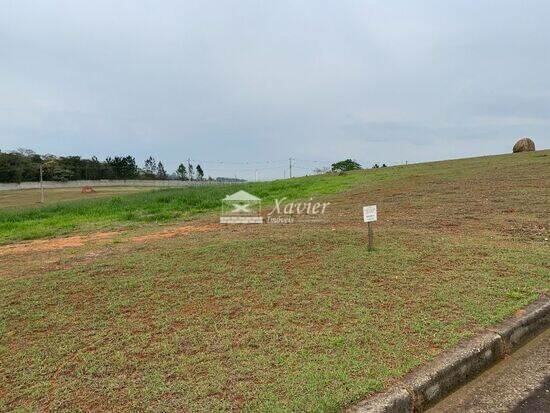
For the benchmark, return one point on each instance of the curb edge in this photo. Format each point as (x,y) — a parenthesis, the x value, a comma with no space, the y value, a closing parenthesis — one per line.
(422,388)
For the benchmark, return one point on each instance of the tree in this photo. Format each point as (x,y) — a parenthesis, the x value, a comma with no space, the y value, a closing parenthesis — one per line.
(20,165)
(190,172)
(200,173)
(61,174)
(11,168)
(181,172)
(25,152)
(123,167)
(150,168)
(161,172)
(346,165)
(321,170)
(23,165)
(130,169)
(92,168)
(71,167)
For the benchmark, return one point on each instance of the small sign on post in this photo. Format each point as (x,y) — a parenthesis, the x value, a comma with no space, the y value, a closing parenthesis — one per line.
(369,216)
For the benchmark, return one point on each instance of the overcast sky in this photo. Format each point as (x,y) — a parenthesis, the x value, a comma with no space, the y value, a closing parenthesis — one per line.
(257,81)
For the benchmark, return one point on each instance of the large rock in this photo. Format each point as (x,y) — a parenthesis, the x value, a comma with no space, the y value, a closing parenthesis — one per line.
(524,145)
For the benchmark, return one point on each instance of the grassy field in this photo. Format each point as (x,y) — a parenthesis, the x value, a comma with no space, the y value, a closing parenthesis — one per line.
(157,206)
(294,317)
(18,199)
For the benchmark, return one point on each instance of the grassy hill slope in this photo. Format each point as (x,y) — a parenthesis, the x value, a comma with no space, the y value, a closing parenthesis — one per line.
(294,317)
(168,205)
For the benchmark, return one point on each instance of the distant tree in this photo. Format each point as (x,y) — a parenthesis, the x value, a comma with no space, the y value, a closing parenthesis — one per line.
(25,152)
(191,172)
(92,168)
(321,170)
(226,179)
(50,165)
(375,166)
(150,168)
(55,169)
(122,167)
(130,169)
(72,166)
(61,174)
(161,172)
(113,166)
(384,165)
(11,167)
(200,173)
(181,172)
(23,165)
(345,165)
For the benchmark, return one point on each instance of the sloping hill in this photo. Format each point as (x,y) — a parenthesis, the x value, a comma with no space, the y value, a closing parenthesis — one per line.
(299,317)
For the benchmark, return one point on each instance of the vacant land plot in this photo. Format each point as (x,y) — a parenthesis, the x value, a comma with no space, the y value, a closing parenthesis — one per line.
(25,198)
(203,317)
(160,206)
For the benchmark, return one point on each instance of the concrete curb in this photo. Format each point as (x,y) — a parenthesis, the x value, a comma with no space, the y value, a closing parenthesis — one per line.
(424,387)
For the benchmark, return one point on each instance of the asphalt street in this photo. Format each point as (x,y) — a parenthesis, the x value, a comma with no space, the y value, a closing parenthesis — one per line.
(520,384)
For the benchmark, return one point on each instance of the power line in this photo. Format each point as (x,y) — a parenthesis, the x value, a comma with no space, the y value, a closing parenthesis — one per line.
(223,167)
(238,162)
(312,161)
(245,169)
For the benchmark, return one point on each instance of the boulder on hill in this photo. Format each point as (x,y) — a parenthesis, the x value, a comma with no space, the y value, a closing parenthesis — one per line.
(524,145)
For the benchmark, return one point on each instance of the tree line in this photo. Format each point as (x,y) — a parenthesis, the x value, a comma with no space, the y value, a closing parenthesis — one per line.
(23,165)
(347,165)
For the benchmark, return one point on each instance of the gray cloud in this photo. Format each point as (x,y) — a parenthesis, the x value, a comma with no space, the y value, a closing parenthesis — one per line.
(375,80)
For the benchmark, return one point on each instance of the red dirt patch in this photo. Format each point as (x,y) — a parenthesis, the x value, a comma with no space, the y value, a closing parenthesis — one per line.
(169,233)
(53,244)
(80,240)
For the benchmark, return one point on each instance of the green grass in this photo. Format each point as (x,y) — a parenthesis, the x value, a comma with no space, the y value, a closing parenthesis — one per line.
(169,205)
(278,318)
(155,206)
(29,198)
(307,322)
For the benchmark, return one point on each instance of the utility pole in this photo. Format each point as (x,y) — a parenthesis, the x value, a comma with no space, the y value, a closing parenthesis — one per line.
(290,167)
(256,175)
(189,169)
(41,185)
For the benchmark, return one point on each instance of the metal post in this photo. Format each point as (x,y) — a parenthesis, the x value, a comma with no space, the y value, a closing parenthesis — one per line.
(41,186)
(290,167)
(371,237)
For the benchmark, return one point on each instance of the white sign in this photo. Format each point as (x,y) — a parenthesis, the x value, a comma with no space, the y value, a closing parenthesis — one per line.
(369,213)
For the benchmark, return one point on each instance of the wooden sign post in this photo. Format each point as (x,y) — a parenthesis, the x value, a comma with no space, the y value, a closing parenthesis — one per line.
(370,216)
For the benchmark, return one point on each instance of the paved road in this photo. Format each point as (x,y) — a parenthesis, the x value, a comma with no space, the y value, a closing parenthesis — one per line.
(537,402)
(518,384)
